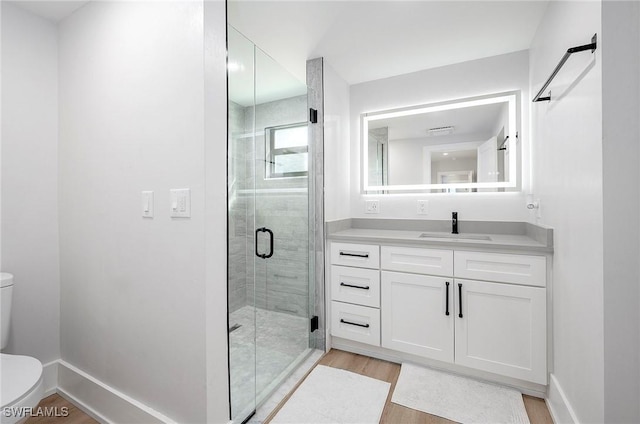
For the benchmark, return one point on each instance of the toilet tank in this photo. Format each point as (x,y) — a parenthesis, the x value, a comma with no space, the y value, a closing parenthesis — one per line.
(6,290)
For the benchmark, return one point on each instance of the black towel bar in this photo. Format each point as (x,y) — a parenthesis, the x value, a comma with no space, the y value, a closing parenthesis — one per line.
(591,46)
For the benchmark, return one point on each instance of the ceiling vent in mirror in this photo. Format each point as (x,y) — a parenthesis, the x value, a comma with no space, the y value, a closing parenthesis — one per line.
(440,130)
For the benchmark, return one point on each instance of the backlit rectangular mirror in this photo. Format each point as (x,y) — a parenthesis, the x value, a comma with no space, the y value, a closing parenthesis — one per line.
(463,145)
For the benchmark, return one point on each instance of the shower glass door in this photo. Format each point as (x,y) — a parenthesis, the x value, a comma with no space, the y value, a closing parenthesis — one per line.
(270,237)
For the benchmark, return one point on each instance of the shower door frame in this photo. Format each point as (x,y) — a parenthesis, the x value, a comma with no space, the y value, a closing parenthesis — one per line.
(312,224)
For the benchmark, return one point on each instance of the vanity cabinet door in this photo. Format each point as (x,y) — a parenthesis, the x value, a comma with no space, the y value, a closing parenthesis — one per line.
(501,328)
(414,314)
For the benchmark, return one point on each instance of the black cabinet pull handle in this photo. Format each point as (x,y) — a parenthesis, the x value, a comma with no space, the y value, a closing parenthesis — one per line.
(460,300)
(354,323)
(354,286)
(357,255)
(447,300)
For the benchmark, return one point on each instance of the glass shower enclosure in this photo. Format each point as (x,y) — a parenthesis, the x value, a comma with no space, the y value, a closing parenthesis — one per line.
(270,222)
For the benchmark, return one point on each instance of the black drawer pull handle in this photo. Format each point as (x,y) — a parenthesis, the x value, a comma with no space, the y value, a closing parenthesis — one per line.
(447,301)
(354,323)
(354,286)
(460,299)
(356,255)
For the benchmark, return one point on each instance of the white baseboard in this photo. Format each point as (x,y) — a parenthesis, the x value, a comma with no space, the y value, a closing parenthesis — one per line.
(558,404)
(50,378)
(102,402)
(84,408)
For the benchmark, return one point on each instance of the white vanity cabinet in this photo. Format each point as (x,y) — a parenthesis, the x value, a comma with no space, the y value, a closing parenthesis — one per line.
(416,306)
(501,328)
(482,310)
(416,317)
(355,292)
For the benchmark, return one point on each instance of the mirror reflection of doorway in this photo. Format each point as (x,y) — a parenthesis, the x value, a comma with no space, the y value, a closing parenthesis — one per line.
(455,177)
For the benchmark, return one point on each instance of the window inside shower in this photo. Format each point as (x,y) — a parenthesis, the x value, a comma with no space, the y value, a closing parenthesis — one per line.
(287,151)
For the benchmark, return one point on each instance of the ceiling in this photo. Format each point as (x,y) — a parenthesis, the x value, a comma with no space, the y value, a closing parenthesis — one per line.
(454,155)
(368,40)
(365,40)
(52,10)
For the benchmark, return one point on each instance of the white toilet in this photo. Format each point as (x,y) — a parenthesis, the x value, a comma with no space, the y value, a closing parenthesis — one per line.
(21,376)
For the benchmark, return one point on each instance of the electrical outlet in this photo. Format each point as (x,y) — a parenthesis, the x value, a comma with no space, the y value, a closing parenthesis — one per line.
(371,206)
(423,207)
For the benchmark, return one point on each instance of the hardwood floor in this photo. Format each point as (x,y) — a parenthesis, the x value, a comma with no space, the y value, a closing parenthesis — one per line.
(389,372)
(57,403)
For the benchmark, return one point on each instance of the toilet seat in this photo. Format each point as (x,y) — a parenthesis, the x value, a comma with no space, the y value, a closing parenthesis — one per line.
(21,383)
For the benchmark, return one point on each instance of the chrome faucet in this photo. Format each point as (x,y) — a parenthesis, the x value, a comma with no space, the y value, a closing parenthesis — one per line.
(454,222)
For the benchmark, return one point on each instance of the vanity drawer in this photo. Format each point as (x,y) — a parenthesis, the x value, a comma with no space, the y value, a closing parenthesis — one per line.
(360,255)
(501,267)
(355,285)
(417,260)
(354,322)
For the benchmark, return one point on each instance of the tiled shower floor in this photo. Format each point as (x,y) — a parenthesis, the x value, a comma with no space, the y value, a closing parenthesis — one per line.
(260,357)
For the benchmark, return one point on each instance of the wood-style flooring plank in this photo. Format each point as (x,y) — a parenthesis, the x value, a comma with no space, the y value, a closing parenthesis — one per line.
(56,402)
(537,410)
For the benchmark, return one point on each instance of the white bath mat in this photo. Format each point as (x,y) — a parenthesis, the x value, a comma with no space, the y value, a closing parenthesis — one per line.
(457,398)
(331,395)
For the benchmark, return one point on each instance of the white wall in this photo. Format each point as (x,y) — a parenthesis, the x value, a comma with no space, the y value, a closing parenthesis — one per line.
(337,157)
(30,181)
(567,177)
(405,163)
(475,78)
(215,108)
(133,290)
(621,152)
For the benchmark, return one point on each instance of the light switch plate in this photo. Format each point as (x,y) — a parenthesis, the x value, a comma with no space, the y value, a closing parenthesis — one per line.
(180,203)
(147,204)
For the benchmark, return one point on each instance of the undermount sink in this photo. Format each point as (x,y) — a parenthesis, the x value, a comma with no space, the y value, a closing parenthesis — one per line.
(455,236)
